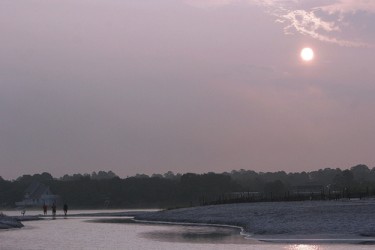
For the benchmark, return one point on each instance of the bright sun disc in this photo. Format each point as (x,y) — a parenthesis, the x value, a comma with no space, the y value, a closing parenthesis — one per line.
(307,54)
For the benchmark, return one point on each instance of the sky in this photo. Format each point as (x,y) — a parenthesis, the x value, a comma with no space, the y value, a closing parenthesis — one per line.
(145,86)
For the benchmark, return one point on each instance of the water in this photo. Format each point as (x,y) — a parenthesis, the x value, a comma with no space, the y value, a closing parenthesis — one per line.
(72,212)
(118,233)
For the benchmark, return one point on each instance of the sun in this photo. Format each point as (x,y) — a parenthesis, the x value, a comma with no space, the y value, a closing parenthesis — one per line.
(307,54)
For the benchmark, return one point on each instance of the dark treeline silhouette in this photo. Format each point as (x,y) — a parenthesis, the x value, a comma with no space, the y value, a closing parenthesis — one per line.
(107,190)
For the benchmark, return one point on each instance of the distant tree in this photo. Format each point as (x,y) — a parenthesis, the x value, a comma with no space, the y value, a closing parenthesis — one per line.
(248,179)
(360,172)
(25,178)
(344,179)
(94,175)
(45,177)
(73,177)
(295,179)
(170,175)
(141,176)
(103,188)
(157,176)
(277,188)
(329,178)
(102,175)
(112,174)
(348,177)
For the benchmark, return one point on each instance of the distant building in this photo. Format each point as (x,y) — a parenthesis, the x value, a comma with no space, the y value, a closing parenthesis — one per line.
(38,194)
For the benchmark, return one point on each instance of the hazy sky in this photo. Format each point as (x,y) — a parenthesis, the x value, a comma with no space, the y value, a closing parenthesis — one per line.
(148,86)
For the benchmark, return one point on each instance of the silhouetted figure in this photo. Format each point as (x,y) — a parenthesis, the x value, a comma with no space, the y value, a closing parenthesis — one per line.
(45,209)
(23,212)
(65,209)
(54,209)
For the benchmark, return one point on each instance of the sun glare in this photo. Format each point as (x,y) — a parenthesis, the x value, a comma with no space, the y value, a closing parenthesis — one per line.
(307,54)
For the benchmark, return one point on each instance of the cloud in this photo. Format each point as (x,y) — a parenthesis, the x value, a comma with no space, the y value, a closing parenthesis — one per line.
(350,6)
(309,21)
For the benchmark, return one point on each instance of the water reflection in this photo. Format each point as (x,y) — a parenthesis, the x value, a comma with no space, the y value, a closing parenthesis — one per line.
(178,233)
(197,234)
(304,247)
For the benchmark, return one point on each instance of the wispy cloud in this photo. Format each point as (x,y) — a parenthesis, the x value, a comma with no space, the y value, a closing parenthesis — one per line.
(350,6)
(309,21)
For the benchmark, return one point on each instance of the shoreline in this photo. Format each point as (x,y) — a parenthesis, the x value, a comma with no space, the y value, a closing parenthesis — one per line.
(306,222)
(280,222)
(241,229)
(15,221)
(189,224)
(7,222)
(292,239)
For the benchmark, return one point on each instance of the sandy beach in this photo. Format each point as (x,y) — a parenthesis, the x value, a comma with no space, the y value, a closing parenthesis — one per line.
(337,221)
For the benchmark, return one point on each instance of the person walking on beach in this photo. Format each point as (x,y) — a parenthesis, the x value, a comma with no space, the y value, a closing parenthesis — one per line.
(45,209)
(54,209)
(65,209)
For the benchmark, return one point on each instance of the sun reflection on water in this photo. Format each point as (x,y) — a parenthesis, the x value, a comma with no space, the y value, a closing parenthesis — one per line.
(304,247)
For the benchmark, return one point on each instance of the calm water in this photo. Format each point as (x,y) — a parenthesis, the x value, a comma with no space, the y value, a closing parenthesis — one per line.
(116,233)
(72,212)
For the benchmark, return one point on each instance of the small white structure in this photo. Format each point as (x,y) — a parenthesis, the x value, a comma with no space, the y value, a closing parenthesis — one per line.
(38,194)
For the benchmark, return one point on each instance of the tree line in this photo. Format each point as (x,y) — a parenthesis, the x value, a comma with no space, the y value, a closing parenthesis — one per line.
(107,190)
